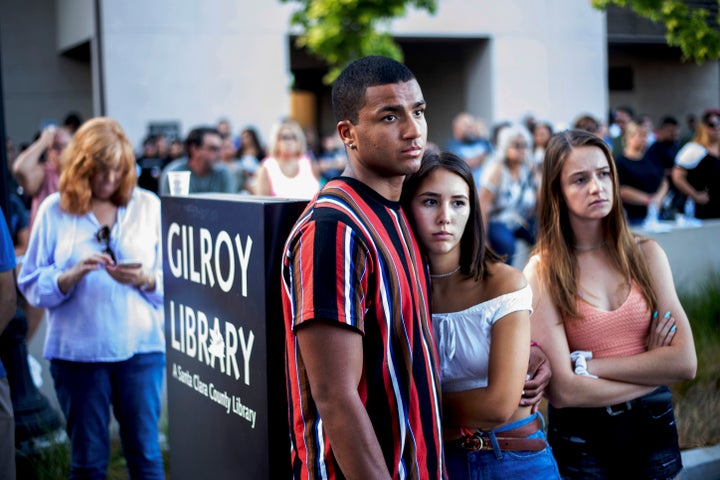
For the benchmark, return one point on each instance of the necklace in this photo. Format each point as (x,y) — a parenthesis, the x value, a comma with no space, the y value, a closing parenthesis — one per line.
(589,248)
(445,275)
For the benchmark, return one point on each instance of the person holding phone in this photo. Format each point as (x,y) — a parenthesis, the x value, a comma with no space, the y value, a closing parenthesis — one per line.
(94,262)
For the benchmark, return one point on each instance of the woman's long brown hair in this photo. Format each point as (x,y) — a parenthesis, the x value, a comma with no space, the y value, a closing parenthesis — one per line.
(558,264)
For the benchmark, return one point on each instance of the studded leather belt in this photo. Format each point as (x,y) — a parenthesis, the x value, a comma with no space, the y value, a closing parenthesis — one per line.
(509,440)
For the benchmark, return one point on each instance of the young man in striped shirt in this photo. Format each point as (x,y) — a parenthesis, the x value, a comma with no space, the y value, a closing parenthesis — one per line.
(363,386)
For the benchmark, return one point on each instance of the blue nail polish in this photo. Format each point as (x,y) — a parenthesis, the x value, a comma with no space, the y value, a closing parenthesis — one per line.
(667,314)
(673,328)
(654,314)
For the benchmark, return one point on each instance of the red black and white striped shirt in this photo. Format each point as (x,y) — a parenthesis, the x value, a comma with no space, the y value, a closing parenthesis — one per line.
(352,258)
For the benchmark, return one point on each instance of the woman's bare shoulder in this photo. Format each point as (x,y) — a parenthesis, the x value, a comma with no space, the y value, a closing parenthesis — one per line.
(504,279)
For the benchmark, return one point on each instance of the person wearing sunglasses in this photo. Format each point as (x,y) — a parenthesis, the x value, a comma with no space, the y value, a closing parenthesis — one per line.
(508,193)
(207,172)
(287,171)
(696,173)
(94,262)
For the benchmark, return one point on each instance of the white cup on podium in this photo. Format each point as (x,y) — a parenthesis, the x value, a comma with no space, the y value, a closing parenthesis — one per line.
(179,183)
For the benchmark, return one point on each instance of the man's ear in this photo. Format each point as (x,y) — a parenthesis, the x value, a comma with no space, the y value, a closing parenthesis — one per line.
(192,150)
(346,131)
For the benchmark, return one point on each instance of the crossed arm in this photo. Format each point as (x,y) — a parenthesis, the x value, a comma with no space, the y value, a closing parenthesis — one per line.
(621,378)
(663,364)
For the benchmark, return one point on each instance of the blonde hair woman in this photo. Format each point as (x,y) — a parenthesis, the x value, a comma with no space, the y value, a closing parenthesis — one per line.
(287,171)
(94,262)
(508,193)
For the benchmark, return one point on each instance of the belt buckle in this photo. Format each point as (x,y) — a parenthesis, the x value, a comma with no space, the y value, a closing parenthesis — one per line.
(472,443)
(621,408)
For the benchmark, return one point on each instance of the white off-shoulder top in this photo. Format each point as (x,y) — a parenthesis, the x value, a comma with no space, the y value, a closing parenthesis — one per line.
(463,339)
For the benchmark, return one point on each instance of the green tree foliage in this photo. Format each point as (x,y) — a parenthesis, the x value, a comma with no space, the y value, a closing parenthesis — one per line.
(340,31)
(690,29)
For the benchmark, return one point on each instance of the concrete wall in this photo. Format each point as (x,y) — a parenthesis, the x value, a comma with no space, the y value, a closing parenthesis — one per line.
(668,87)
(195,62)
(546,58)
(39,84)
(75,22)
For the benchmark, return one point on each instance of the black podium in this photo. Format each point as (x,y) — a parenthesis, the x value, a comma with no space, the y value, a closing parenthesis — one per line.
(224,330)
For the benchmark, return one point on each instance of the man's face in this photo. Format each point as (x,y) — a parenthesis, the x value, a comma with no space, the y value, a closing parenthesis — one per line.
(669,133)
(391,131)
(206,155)
(464,128)
(61,140)
(622,118)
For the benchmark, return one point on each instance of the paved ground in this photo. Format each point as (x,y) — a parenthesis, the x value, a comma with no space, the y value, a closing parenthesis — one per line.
(702,463)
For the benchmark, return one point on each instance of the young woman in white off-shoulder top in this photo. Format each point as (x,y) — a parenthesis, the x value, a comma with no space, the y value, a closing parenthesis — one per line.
(481,321)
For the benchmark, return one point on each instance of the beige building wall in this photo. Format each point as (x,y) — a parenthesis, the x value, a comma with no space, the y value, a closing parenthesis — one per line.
(667,87)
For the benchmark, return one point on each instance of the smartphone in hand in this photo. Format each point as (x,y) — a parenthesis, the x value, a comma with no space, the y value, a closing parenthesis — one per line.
(129,263)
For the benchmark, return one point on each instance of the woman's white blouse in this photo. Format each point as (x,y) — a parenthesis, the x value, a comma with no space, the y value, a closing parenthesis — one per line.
(463,339)
(98,319)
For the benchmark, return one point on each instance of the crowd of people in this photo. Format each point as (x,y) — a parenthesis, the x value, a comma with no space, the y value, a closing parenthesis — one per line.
(447,348)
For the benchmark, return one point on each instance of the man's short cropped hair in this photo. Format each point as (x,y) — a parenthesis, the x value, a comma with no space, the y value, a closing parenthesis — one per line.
(197,135)
(348,91)
(669,120)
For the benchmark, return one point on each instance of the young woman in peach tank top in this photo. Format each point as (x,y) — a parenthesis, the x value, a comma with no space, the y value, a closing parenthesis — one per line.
(597,289)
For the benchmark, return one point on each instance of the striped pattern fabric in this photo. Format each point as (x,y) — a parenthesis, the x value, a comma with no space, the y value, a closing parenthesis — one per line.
(352,258)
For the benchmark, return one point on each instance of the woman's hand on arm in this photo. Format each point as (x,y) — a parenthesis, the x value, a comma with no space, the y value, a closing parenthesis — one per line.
(333,358)
(662,330)
(538,377)
(660,365)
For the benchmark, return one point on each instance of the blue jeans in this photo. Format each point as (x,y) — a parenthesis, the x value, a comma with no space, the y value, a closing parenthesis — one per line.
(636,439)
(133,387)
(502,465)
(502,238)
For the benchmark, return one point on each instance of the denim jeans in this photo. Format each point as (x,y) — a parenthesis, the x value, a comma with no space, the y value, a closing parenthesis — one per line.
(502,238)
(502,465)
(636,439)
(86,391)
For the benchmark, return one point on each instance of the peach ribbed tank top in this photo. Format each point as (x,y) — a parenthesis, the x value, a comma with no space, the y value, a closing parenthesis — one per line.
(617,333)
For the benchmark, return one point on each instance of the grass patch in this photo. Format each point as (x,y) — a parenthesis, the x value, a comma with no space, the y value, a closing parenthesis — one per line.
(53,463)
(697,402)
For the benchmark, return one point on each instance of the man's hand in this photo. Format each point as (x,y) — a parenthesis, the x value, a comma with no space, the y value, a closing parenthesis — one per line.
(538,377)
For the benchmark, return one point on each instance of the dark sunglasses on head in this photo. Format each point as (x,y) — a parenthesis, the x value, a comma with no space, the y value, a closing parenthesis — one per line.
(103,236)
(712,123)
